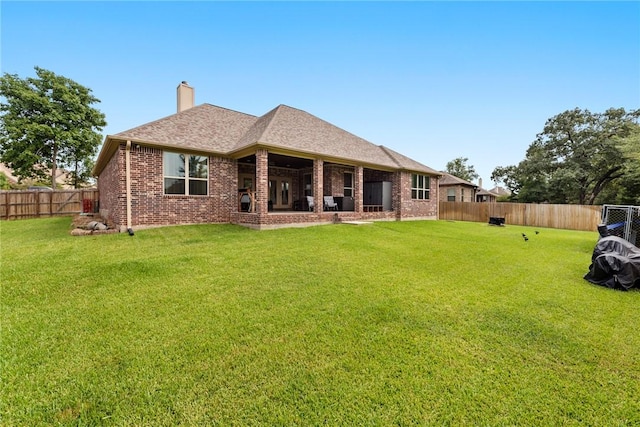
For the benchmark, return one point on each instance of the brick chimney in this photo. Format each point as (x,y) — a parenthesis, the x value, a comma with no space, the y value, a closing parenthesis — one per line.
(186,97)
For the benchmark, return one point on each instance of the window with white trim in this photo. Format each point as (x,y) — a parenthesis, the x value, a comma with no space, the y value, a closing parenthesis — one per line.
(451,194)
(348,184)
(420,187)
(176,178)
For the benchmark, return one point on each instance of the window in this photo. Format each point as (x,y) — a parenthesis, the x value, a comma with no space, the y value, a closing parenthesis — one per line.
(307,182)
(348,184)
(462,194)
(420,185)
(451,194)
(177,181)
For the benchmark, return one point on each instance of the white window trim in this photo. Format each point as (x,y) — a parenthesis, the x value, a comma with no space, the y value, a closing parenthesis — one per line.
(186,176)
(425,190)
(345,188)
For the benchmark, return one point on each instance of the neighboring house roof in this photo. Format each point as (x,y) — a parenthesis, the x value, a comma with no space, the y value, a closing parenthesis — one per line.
(62,176)
(500,191)
(448,179)
(8,173)
(483,192)
(213,129)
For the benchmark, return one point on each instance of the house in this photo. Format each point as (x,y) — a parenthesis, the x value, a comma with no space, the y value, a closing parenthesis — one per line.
(454,189)
(62,178)
(208,164)
(500,191)
(486,196)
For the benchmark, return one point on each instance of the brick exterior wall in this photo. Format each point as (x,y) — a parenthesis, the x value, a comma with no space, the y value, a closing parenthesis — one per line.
(318,182)
(333,184)
(469,193)
(111,186)
(151,207)
(417,209)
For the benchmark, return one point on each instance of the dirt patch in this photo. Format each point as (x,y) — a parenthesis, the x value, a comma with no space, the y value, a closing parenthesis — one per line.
(90,224)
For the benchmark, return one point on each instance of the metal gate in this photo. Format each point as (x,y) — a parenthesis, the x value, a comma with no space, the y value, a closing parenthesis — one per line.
(621,221)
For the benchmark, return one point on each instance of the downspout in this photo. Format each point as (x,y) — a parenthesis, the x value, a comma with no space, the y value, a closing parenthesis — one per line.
(127,157)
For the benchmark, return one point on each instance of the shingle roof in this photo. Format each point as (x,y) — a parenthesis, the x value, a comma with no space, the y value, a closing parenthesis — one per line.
(448,179)
(500,191)
(482,192)
(405,162)
(205,127)
(215,129)
(298,130)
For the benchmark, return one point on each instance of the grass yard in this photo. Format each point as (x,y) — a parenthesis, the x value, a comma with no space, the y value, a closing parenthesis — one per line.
(396,323)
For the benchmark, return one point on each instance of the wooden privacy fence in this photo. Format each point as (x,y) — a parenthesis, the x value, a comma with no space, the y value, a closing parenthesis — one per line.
(570,217)
(36,204)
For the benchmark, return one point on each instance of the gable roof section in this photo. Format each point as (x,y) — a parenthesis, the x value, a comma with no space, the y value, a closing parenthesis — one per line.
(213,129)
(500,191)
(483,192)
(205,127)
(292,129)
(448,179)
(407,163)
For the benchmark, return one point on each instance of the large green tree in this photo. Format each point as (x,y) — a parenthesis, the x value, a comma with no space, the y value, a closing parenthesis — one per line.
(626,190)
(48,122)
(458,167)
(577,158)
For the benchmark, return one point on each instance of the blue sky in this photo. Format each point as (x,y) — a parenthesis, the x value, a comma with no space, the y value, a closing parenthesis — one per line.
(432,80)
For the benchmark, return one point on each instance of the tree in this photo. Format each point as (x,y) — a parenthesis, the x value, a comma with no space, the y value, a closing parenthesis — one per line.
(576,157)
(47,122)
(626,191)
(458,167)
(4,182)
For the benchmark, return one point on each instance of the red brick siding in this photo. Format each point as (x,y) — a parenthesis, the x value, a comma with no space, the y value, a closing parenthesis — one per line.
(111,186)
(262,181)
(150,206)
(411,208)
(333,184)
(318,184)
(469,193)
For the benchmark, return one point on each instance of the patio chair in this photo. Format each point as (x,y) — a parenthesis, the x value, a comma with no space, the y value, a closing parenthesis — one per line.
(310,202)
(330,204)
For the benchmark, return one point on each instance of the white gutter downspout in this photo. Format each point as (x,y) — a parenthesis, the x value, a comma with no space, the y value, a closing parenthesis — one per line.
(127,166)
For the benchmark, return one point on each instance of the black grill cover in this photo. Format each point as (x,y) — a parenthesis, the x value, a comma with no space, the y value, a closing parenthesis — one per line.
(615,263)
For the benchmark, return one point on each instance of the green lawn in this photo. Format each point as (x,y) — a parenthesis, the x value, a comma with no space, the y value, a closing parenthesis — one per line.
(396,323)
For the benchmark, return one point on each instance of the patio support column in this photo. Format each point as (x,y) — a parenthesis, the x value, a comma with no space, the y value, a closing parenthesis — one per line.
(398,195)
(318,188)
(262,181)
(358,192)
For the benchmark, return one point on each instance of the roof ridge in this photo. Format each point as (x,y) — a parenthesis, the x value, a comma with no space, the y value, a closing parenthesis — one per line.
(267,118)
(329,123)
(276,110)
(222,108)
(181,113)
(458,179)
(388,153)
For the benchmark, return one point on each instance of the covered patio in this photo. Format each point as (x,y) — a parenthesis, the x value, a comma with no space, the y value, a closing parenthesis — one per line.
(276,189)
